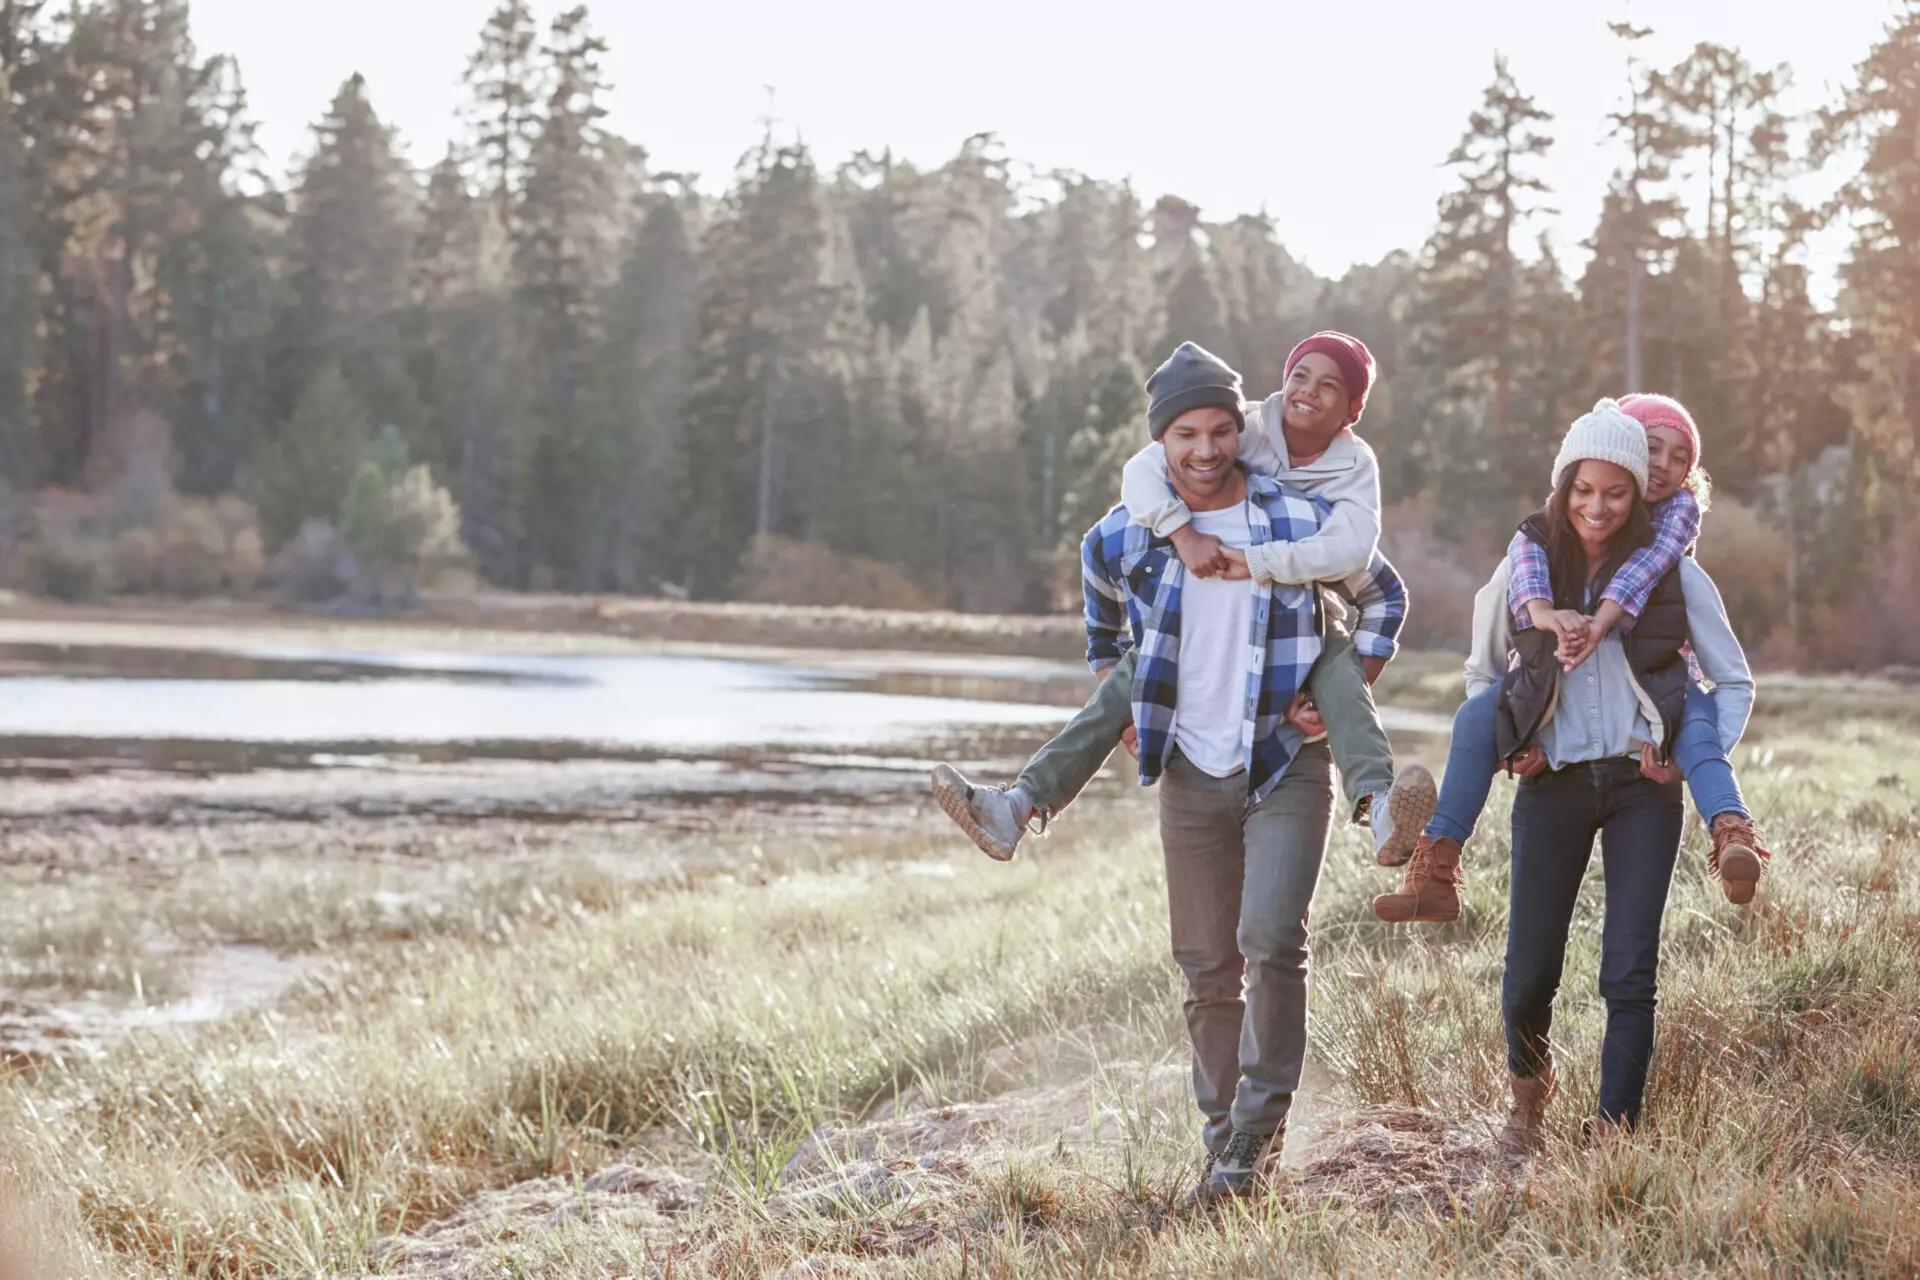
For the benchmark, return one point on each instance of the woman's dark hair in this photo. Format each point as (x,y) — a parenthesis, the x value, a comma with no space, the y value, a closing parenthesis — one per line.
(1566,558)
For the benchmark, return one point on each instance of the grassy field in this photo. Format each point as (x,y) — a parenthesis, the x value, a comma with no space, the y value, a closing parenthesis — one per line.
(604,1051)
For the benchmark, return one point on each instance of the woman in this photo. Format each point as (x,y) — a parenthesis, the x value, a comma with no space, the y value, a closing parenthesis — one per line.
(1593,746)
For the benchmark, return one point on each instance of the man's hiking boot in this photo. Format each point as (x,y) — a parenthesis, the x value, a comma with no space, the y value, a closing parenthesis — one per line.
(1737,856)
(1430,886)
(1399,814)
(1526,1132)
(988,815)
(1242,1169)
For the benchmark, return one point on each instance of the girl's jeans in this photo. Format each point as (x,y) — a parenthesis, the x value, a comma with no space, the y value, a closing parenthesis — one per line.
(1472,759)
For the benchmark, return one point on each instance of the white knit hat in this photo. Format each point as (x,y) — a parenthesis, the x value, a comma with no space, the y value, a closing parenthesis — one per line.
(1608,435)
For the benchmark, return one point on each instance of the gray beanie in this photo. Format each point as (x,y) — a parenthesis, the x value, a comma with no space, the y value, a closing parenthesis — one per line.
(1609,435)
(1192,378)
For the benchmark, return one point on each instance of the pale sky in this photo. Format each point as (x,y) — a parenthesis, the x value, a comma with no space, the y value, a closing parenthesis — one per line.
(1236,105)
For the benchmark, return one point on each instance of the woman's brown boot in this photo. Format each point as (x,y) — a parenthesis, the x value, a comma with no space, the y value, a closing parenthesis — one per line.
(1526,1119)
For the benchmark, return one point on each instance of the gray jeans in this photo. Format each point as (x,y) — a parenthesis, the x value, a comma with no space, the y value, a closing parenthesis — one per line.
(1239,882)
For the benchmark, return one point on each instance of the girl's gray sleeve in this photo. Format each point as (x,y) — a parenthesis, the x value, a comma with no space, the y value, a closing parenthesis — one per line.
(1492,633)
(1721,658)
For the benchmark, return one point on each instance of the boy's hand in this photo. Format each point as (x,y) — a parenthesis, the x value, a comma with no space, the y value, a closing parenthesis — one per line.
(1202,553)
(1303,715)
(1130,739)
(1237,569)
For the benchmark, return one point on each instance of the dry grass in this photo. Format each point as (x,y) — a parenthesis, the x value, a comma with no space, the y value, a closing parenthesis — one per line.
(888,1057)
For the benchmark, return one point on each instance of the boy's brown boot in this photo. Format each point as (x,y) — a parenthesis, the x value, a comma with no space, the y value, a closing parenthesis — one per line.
(1737,856)
(1526,1132)
(1430,886)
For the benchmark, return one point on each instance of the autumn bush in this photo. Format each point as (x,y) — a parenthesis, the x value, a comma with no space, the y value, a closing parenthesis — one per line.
(1442,575)
(788,571)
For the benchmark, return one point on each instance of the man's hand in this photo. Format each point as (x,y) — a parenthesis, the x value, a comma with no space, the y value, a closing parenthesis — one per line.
(1303,715)
(1653,767)
(1130,739)
(1202,553)
(1529,762)
(1237,569)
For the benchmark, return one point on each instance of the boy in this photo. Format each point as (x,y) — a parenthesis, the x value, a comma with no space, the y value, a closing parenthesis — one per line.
(1303,436)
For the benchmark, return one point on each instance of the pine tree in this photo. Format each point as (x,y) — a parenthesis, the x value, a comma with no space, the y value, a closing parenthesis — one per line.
(121,115)
(302,471)
(1183,280)
(503,75)
(1641,222)
(639,390)
(1472,287)
(564,259)
(763,306)
(216,276)
(350,246)
(19,450)
(1881,114)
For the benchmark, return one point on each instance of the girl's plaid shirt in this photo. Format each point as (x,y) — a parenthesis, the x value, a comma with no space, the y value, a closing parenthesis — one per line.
(1132,582)
(1676,525)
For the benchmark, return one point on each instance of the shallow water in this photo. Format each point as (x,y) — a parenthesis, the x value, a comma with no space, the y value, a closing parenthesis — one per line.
(628,703)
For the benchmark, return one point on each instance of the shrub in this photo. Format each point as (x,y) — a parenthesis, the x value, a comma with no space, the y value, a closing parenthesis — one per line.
(68,567)
(135,557)
(1747,557)
(1442,576)
(787,571)
(400,525)
(193,550)
(315,565)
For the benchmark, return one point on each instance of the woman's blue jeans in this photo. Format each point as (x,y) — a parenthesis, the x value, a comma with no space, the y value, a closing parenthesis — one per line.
(1555,818)
(1472,759)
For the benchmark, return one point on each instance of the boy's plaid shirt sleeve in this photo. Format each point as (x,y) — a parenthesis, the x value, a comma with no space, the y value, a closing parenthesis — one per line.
(1380,594)
(1109,633)
(1527,578)
(1676,523)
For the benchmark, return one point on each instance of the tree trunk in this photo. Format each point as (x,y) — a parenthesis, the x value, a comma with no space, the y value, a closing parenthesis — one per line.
(1633,324)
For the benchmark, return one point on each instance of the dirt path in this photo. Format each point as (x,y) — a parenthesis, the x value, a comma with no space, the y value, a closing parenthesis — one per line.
(913,1178)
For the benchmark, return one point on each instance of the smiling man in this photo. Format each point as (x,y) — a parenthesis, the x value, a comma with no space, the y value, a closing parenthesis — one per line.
(1214,707)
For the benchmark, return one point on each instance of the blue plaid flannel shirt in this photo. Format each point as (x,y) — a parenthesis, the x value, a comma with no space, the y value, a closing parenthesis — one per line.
(1676,525)
(1132,582)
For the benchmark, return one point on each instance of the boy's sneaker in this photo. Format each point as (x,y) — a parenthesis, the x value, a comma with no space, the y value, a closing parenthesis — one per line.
(988,815)
(1399,814)
(1737,856)
(1242,1169)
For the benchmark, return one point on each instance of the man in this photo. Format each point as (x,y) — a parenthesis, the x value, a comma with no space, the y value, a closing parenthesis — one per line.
(1245,804)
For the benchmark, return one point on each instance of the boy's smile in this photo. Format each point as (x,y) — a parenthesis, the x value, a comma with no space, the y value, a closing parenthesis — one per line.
(1317,403)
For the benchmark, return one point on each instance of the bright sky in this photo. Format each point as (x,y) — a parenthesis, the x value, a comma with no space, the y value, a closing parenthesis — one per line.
(1332,117)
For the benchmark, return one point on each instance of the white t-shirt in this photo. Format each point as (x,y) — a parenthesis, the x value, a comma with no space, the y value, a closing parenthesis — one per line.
(1210,703)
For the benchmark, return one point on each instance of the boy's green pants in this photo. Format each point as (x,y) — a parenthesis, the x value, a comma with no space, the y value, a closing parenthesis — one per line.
(1059,771)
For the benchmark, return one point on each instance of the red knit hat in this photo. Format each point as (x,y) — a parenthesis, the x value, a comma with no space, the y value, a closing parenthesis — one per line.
(1662,411)
(1347,351)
